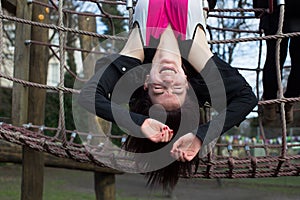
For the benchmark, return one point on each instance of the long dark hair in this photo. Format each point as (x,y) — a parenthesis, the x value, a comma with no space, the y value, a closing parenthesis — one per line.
(168,176)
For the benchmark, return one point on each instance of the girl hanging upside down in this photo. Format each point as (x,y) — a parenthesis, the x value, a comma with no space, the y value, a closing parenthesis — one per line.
(168,66)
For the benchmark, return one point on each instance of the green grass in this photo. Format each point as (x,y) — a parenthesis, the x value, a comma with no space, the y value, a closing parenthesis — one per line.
(55,190)
(118,197)
(285,185)
(59,185)
(10,189)
(63,195)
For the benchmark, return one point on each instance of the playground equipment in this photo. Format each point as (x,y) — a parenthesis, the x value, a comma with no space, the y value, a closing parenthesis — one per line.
(232,158)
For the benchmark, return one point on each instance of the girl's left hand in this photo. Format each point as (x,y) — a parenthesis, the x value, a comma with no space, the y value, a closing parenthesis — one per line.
(186,147)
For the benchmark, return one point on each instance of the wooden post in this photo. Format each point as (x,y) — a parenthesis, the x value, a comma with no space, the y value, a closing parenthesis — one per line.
(30,64)
(104,182)
(105,186)
(33,161)
(21,65)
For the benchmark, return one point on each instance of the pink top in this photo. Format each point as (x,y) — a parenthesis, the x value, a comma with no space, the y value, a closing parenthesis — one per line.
(153,16)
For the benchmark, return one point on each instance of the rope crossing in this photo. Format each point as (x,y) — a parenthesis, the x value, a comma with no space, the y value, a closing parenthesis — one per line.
(237,167)
(236,161)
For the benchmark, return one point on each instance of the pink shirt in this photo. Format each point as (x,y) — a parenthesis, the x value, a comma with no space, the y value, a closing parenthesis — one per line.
(153,16)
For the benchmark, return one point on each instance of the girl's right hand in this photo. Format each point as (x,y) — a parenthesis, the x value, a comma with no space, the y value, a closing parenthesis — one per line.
(156,131)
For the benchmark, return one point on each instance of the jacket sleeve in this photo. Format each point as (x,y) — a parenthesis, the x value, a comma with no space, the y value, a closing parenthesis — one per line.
(95,96)
(237,109)
(239,99)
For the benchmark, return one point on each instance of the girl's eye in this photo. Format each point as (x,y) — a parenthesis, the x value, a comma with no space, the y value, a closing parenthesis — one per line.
(157,87)
(158,90)
(178,90)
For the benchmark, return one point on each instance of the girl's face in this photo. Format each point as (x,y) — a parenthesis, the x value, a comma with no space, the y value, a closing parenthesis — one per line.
(167,84)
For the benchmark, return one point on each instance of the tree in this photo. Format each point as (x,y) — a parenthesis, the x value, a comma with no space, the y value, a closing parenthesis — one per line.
(113,26)
(236,21)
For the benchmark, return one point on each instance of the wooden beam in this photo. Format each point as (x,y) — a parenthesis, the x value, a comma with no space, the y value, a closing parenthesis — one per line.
(10,6)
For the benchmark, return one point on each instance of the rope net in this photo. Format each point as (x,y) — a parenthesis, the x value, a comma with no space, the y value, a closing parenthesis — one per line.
(236,156)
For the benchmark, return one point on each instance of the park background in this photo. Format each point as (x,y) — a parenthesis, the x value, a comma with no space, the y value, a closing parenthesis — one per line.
(244,55)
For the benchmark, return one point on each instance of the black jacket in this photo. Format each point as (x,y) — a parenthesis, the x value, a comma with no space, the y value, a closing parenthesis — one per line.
(98,97)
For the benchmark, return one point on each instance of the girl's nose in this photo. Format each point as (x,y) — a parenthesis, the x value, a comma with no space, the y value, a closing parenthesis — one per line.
(168,79)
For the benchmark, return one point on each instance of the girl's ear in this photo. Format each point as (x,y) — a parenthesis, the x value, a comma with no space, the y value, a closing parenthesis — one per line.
(146,82)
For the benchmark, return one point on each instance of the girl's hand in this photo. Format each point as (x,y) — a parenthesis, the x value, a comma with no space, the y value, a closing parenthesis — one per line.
(186,147)
(156,131)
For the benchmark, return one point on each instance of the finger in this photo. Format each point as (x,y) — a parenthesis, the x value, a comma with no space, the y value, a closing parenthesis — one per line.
(178,155)
(176,145)
(181,156)
(163,137)
(165,134)
(174,148)
(166,137)
(170,135)
(186,157)
(175,153)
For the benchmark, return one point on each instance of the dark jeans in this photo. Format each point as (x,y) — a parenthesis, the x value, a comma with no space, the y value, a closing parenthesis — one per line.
(270,85)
